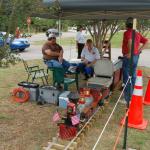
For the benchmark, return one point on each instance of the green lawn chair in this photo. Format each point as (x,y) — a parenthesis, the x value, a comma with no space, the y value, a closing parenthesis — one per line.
(59,77)
(35,72)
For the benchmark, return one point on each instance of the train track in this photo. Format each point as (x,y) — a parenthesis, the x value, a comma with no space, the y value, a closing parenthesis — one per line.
(57,144)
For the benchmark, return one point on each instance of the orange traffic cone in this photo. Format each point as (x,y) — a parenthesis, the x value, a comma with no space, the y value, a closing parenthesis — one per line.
(147,95)
(135,116)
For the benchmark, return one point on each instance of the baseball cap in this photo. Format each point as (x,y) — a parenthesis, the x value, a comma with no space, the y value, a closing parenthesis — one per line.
(50,36)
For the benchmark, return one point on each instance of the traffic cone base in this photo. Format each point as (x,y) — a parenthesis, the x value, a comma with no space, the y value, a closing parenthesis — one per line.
(140,126)
(146,103)
(147,95)
(135,114)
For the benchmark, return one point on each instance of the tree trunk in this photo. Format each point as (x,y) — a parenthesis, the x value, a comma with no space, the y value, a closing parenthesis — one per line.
(101,31)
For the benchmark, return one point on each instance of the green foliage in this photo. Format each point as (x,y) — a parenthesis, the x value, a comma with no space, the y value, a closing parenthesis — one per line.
(7,57)
(14,13)
(41,24)
(143,26)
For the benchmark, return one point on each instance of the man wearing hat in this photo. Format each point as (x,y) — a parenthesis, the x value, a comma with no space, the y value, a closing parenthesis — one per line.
(139,44)
(53,53)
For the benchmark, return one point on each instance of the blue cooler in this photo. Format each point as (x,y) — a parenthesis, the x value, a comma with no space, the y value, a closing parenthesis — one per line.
(63,99)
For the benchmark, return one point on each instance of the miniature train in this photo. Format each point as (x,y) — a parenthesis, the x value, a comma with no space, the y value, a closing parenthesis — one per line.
(82,105)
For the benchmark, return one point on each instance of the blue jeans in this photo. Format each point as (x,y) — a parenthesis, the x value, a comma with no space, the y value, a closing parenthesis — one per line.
(126,72)
(55,63)
(86,70)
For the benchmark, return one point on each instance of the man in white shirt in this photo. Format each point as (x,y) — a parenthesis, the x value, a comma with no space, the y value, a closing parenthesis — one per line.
(80,41)
(89,56)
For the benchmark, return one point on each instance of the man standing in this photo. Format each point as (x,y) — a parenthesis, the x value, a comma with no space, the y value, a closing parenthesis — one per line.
(89,56)
(126,51)
(80,41)
(53,54)
(17,33)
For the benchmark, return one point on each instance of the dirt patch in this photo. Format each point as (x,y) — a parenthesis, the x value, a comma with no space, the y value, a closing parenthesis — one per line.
(25,126)
(29,127)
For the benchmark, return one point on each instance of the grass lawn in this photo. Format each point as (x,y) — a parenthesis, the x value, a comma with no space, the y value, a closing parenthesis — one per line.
(22,126)
(28,126)
(117,40)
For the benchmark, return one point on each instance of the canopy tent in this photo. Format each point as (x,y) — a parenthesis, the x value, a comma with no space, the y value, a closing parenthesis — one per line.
(99,9)
(102,9)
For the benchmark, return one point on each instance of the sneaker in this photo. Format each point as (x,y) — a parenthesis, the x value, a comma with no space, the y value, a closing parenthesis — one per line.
(72,69)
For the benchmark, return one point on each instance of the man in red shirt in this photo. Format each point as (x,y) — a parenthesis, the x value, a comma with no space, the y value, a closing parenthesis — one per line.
(17,33)
(139,44)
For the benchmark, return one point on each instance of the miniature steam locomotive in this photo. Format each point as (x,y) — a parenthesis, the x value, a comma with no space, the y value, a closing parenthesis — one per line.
(79,109)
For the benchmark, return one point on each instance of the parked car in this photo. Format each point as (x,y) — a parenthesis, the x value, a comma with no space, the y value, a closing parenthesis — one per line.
(53,31)
(2,33)
(3,37)
(25,35)
(72,29)
(19,44)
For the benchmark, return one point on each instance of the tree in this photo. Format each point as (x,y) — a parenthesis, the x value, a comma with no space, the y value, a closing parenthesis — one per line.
(144,27)
(101,31)
(15,10)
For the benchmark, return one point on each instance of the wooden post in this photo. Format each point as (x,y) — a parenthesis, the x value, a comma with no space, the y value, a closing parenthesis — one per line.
(134,23)
(28,23)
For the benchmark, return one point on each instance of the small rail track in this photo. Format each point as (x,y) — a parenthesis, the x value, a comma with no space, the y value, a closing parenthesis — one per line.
(76,141)
(56,143)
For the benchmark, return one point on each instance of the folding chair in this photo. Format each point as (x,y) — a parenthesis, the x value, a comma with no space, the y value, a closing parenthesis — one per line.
(59,78)
(35,72)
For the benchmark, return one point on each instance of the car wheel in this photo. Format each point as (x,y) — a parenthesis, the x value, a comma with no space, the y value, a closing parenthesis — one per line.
(21,49)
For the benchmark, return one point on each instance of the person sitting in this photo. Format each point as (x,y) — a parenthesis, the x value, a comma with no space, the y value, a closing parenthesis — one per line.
(53,54)
(89,56)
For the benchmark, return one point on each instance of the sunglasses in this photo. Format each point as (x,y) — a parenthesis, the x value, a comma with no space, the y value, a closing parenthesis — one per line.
(51,38)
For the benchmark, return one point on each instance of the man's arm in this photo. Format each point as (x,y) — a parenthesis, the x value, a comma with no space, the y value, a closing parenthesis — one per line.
(143,46)
(140,49)
(92,63)
(85,61)
(61,53)
(51,53)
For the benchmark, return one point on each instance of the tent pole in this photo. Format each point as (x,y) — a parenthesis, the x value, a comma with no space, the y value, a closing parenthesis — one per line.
(131,74)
